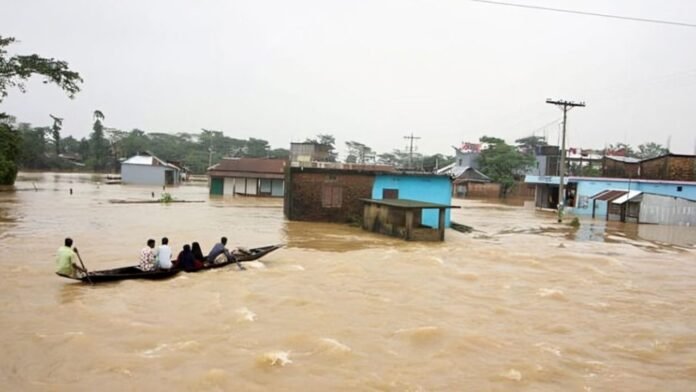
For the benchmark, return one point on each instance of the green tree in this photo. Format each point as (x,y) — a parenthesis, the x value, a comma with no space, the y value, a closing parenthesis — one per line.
(132,143)
(9,152)
(55,132)
(279,153)
(529,144)
(16,70)
(70,145)
(256,148)
(503,163)
(99,147)
(327,140)
(431,163)
(650,150)
(33,146)
(359,153)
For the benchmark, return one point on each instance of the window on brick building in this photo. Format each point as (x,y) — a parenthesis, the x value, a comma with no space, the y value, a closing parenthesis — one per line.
(331,196)
(390,193)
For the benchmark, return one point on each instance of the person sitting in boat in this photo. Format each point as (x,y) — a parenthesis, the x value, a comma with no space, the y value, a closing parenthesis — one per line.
(147,257)
(186,260)
(197,255)
(164,255)
(65,261)
(219,254)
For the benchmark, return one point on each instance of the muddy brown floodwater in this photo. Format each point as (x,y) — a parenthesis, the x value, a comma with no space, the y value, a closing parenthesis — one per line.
(521,304)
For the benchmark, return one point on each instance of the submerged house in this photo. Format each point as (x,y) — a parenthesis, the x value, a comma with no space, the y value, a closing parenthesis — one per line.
(147,169)
(658,190)
(464,169)
(623,199)
(341,195)
(328,194)
(248,177)
(409,206)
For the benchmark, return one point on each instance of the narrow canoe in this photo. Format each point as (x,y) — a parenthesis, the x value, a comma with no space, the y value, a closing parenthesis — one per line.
(254,254)
(125,273)
(133,272)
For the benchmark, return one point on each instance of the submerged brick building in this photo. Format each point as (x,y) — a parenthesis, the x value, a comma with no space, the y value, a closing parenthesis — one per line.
(333,192)
(326,194)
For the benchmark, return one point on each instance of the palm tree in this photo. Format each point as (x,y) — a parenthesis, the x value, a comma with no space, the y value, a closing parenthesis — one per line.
(57,126)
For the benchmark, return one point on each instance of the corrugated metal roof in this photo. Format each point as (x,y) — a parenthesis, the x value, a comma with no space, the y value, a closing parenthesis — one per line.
(627,197)
(253,165)
(609,195)
(623,159)
(407,203)
(139,160)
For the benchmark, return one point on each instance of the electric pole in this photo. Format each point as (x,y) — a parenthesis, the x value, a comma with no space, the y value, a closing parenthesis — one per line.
(566,105)
(210,148)
(410,151)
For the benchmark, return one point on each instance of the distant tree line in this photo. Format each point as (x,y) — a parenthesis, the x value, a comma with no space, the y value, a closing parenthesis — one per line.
(42,148)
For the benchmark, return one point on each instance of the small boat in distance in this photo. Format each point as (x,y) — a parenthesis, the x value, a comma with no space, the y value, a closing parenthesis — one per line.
(133,272)
(113,179)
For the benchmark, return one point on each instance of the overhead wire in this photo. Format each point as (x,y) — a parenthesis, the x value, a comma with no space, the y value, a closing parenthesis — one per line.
(586,13)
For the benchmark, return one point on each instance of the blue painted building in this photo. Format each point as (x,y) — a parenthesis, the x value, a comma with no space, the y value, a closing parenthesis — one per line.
(421,187)
(586,188)
(586,195)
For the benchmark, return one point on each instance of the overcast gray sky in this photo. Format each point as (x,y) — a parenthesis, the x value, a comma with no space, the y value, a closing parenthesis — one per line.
(371,71)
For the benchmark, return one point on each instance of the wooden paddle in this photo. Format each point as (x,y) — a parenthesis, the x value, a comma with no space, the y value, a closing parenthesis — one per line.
(83,267)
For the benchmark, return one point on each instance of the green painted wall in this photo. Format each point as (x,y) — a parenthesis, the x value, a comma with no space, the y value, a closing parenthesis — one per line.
(217,186)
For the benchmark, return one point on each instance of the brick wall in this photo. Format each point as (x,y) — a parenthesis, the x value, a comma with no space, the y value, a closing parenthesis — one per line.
(672,168)
(306,196)
(654,169)
(681,168)
(487,190)
(617,169)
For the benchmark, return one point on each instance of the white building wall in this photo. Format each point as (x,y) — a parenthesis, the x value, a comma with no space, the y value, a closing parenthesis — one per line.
(667,210)
(228,186)
(142,174)
(251,186)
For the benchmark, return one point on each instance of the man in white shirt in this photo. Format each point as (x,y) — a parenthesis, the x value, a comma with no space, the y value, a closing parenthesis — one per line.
(164,255)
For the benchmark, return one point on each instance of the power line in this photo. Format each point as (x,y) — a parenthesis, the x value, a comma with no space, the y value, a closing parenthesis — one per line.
(410,153)
(566,11)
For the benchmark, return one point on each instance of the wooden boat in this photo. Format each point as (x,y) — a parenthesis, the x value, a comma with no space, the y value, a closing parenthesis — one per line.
(133,272)
(125,273)
(253,254)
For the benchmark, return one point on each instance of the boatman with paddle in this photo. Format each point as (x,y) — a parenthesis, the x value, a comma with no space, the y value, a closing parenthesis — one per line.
(65,261)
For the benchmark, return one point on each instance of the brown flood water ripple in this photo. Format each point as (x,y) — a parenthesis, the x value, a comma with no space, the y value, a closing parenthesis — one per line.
(520,304)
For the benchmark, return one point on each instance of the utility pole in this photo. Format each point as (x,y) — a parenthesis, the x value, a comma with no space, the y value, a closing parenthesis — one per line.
(566,105)
(410,151)
(210,148)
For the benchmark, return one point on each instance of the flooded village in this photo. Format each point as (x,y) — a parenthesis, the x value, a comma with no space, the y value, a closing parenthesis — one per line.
(360,218)
(520,301)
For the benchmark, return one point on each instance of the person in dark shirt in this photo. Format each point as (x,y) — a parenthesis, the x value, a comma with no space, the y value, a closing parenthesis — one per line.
(185,260)
(197,255)
(220,254)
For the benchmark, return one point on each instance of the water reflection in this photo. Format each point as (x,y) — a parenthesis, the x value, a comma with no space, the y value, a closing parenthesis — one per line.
(333,237)
(72,292)
(649,237)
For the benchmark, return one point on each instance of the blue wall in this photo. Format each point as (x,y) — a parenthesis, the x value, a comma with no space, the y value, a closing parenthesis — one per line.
(588,188)
(428,188)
